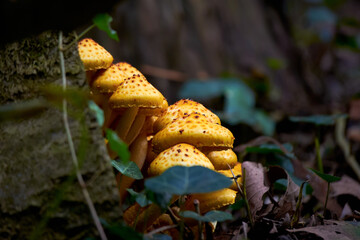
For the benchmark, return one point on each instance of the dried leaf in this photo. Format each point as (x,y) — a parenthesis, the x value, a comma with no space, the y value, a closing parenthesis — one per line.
(345,186)
(287,202)
(334,230)
(255,185)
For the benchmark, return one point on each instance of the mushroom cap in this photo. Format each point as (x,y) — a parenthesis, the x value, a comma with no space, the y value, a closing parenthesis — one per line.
(128,70)
(107,81)
(136,91)
(179,155)
(194,129)
(93,55)
(211,201)
(237,171)
(183,108)
(222,158)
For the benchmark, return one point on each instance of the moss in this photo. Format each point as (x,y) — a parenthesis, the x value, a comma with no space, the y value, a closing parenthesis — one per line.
(35,160)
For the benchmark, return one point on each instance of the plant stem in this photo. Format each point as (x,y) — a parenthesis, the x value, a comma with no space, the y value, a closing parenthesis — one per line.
(77,38)
(327,196)
(197,209)
(72,148)
(245,198)
(318,155)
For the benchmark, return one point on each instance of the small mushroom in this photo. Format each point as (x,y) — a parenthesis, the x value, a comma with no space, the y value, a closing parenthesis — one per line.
(194,129)
(237,172)
(211,201)
(103,86)
(179,155)
(222,159)
(93,56)
(182,108)
(135,98)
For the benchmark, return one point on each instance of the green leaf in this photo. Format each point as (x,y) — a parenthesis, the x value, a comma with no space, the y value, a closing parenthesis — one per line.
(271,148)
(128,168)
(211,216)
(99,113)
(121,231)
(123,165)
(117,145)
(181,180)
(140,198)
(318,119)
(328,178)
(102,21)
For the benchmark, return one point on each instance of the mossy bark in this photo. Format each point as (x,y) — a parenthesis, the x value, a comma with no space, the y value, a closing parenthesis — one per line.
(37,183)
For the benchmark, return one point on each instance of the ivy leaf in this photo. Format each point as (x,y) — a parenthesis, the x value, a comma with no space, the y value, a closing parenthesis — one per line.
(211,216)
(99,113)
(123,165)
(117,145)
(268,148)
(120,230)
(328,178)
(181,180)
(128,168)
(140,197)
(102,21)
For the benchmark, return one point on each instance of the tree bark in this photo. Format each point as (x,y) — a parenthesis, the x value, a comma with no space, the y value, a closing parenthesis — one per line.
(39,194)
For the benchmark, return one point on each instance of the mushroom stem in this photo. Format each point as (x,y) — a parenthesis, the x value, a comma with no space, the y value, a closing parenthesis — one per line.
(125,122)
(135,129)
(109,115)
(138,152)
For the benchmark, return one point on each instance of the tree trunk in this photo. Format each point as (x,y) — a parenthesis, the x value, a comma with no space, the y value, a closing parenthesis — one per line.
(39,193)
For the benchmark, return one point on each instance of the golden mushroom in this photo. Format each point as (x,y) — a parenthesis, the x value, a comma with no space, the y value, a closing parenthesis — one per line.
(93,56)
(211,201)
(179,155)
(222,159)
(181,109)
(135,99)
(194,129)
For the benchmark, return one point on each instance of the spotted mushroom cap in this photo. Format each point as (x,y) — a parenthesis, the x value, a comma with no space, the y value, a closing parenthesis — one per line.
(237,171)
(194,129)
(211,201)
(136,91)
(183,108)
(93,55)
(107,81)
(179,155)
(128,70)
(221,159)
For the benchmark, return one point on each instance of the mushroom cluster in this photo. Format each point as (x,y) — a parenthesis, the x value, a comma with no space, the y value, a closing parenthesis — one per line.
(159,136)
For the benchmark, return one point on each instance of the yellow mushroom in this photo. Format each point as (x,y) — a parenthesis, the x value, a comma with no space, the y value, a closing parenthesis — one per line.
(194,129)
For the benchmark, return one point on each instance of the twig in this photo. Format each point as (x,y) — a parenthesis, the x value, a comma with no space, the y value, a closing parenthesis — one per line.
(327,197)
(72,148)
(63,49)
(345,146)
(243,193)
(160,229)
(296,216)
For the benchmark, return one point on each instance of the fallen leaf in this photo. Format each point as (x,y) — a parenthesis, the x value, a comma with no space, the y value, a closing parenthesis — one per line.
(346,185)
(287,202)
(334,230)
(255,185)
